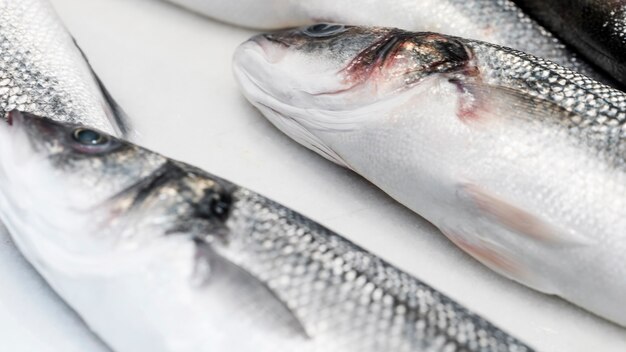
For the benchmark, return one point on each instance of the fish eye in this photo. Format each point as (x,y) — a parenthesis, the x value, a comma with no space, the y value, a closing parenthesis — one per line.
(89,137)
(321,30)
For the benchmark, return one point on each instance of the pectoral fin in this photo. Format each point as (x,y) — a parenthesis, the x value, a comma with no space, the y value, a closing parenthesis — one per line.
(519,220)
(217,270)
(491,255)
(498,258)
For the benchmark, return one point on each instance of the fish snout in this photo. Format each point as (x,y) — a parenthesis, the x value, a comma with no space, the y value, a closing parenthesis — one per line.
(270,47)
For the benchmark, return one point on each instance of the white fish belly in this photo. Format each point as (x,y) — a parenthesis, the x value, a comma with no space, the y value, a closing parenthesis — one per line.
(525,199)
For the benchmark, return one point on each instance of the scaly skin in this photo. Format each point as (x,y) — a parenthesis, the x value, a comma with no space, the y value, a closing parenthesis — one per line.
(158,255)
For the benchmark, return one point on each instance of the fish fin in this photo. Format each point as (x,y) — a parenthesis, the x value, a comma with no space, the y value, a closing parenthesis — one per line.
(497,258)
(489,254)
(519,220)
(294,129)
(115,113)
(482,102)
(214,261)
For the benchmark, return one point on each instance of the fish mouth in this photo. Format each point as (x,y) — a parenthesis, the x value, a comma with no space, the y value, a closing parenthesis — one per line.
(291,120)
(273,49)
(254,91)
(253,64)
(260,39)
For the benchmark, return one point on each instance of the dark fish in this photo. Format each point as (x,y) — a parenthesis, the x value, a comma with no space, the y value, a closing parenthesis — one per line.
(596,28)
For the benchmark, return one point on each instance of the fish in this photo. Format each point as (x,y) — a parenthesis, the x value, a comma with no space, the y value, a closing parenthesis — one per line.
(517,160)
(595,28)
(500,22)
(43,71)
(158,255)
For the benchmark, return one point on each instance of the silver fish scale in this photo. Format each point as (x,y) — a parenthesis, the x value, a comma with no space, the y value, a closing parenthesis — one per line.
(594,113)
(43,72)
(346,298)
(515,29)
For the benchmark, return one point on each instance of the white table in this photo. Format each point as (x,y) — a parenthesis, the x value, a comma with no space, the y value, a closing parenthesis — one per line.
(170,70)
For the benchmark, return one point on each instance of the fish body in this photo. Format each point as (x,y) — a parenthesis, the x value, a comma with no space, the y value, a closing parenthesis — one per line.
(156,255)
(500,22)
(596,28)
(517,160)
(42,70)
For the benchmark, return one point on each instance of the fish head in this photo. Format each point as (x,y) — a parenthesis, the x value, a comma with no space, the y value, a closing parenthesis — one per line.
(65,175)
(84,160)
(342,66)
(74,200)
(314,78)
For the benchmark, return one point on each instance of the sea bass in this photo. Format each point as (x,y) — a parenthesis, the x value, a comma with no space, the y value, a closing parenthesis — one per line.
(596,28)
(495,21)
(157,255)
(519,161)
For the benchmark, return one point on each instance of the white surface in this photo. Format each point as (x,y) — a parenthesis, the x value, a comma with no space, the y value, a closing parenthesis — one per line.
(170,70)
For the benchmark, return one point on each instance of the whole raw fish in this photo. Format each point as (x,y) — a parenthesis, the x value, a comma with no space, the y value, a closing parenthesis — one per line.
(156,255)
(519,161)
(495,21)
(596,28)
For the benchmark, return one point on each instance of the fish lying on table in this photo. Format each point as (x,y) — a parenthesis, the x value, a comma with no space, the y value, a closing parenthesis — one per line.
(596,28)
(156,255)
(43,71)
(519,161)
(496,21)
